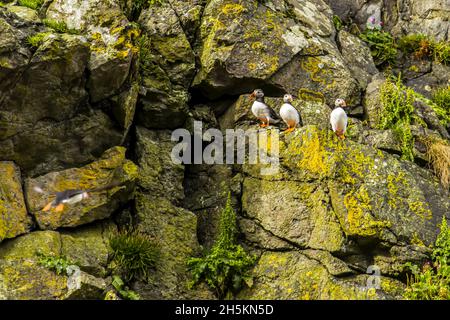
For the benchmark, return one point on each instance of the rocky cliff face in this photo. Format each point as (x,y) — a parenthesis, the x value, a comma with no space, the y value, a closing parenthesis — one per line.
(90,92)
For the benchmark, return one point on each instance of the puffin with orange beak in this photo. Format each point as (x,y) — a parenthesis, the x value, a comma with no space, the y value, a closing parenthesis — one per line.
(71,196)
(262,111)
(339,119)
(289,114)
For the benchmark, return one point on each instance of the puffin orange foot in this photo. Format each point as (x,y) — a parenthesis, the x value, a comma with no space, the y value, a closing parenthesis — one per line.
(59,207)
(289,129)
(263,125)
(47,207)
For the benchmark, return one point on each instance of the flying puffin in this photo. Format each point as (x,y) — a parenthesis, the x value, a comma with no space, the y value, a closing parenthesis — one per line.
(339,119)
(289,114)
(71,196)
(262,111)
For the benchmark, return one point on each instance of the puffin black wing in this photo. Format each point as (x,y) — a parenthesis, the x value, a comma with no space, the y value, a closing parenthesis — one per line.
(66,194)
(273,114)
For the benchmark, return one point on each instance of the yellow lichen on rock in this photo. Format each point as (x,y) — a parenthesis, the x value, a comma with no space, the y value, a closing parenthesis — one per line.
(359,220)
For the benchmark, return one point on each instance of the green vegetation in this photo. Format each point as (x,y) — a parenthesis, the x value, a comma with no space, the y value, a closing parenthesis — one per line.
(59,26)
(133,8)
(32,4)
(381,44)
(145,54)
(385,48)
(414,43)
(422,47)
(226,267)
(123,290)
(441,52)
(37,39)
(133,254)
(338,24)
(441,104)
(432,281)
(398,109)
(59,264)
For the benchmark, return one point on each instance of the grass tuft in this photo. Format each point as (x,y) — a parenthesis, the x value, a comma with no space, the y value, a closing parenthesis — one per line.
(133,255)
(32,4)
(37,39)
(438,154)
(59,26)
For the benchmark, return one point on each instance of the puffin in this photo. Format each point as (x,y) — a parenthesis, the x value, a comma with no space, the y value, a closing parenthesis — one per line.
(339,119)
(289,114)
(262,111)
(71,196)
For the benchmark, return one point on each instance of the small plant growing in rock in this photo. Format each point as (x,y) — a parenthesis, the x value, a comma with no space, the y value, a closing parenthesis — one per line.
(32,4)
(133,255)
(338,24)
(59,26)
(422,47)
(37,39)
(58,264)
(145,54)
(441,98)
(432,281)
(381,43)
(397,114)
(226,267)
(441,52)
(123,290)
(133,8)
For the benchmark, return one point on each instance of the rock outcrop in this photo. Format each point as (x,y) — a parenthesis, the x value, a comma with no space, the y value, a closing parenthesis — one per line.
(91,91)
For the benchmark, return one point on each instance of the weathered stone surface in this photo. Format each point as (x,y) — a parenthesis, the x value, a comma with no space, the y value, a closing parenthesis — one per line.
(435,77)
(175,231)
(244,44)
(51,88)
(24,13)
(14,219)
(13,56)
(426,16)
(362,205)
(189,14)
(108,72)
(207,191)
(87,287)
(334,209)
(88,246)
(358,57)
(159,215)
(21,276)
(293,276)
(110,168)
(168,69)
(372,100)
(290,211)
(124,107)
(46,124)
(158,175)
(162,25)
(84,15)
(54,146)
